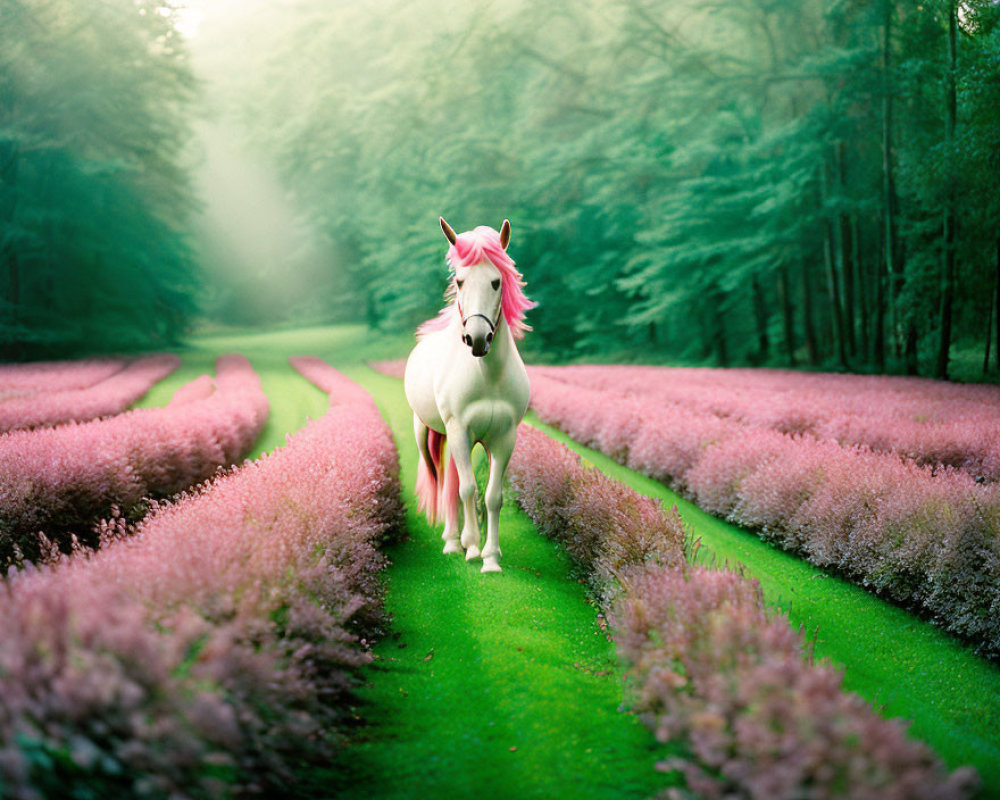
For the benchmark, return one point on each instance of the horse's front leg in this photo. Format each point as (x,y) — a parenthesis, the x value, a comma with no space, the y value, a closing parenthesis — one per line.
(500,453)
(461,451)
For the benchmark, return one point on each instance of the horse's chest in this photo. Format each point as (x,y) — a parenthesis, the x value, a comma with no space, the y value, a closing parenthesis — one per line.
(485,408)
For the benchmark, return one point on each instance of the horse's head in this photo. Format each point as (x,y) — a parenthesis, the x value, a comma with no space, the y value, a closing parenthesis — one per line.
(479,294)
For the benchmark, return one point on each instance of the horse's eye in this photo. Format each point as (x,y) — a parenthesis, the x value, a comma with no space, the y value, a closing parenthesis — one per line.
(496,284)
(460,283)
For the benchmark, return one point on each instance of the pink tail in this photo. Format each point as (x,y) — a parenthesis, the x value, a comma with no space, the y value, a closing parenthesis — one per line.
(437,493)
(448,499)
(428,475)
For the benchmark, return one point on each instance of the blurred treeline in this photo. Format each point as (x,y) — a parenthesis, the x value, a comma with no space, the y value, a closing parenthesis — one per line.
(762,181)
(744,181)
(95,105)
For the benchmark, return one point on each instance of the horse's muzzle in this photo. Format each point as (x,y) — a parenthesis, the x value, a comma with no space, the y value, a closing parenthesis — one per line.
(478,336)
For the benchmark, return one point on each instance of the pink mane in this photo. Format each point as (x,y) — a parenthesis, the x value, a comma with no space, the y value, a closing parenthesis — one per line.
(473,247)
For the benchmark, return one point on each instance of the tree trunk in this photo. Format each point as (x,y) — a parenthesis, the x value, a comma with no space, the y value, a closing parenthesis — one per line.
(787,312)
(831,245)
(950,220)
(997,348)
(989,334)
(861,274)
(760,316)
(719,334)
(878,334)
(893,261)
(808,323)
(910,353)
(9,163)
(847,258)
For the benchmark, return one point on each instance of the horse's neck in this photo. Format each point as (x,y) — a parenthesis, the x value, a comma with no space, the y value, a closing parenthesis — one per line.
(502,351)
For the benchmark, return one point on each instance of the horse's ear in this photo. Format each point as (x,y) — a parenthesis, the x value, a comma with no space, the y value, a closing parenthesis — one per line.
(448,231)
(505,234)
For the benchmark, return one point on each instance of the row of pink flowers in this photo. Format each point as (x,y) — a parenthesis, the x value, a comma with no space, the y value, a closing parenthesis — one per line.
(930,422)
(712,668)
(109,396)
(927,540)
(55,376)
(214,650)
(66,476)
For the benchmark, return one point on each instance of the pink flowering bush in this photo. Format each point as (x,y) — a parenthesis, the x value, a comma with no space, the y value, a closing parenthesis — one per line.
(55,376)
(394,369)
(715,669)
(67,476)
(930,422)
(215,649)
(109,396)
(711,667)
(606,527)
(200,388)
(928,539)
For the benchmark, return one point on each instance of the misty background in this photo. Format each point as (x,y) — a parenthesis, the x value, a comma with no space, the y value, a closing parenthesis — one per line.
(757,182)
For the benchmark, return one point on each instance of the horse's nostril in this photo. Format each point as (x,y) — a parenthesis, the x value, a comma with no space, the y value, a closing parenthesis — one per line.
(467,339)
(489,338)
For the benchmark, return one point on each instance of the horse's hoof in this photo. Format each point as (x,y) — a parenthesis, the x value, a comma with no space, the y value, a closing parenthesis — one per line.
(472,552)
(452,546)
(490,564)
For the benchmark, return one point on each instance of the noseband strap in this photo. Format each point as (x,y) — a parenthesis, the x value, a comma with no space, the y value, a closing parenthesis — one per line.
(491,323)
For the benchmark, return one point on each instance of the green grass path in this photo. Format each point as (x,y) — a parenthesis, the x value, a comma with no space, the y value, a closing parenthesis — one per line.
(890,657)
(491,685)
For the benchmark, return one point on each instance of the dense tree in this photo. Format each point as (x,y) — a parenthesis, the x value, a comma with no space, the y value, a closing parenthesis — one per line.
(94,200)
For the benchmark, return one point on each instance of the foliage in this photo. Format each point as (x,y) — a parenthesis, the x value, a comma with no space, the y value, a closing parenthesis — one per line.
(925,538)
(213,651)
(714,667)
(65,477)
(94,203)
(606,527)
(711,667)
(112,395)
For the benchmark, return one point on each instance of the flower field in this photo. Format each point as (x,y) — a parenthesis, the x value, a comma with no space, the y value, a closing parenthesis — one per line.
(62,479)
(710,665)
(209,651)
(828,466)
(177,623)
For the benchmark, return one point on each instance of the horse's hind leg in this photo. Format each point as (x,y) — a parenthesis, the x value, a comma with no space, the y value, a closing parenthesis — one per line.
(500,453)
(432,485)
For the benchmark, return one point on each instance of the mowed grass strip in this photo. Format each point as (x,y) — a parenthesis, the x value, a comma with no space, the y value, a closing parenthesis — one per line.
(894,659)
(500,686)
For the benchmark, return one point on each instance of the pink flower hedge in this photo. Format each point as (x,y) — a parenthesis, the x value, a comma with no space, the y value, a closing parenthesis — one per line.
(927,539)
(112,395)
(213,651)
(713,670)
(930,422)
(55,478)
(55,376)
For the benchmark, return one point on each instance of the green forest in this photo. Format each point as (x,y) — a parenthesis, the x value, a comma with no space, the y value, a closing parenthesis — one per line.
(740,182)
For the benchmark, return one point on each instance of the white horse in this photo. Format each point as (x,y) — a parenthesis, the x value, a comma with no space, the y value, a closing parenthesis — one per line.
(467,385)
